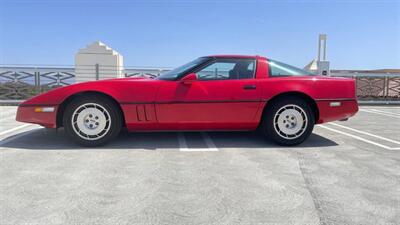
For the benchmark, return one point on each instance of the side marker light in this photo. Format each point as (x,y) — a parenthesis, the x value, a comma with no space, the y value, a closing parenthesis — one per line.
(335,104)
(44,109)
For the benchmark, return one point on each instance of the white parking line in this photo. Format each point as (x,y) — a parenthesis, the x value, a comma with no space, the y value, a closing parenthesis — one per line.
(366,133)
(183,147)
(379,107)
(14,129)
(384,114)
(387,112)
(210,144)
(359,138)
(182,142)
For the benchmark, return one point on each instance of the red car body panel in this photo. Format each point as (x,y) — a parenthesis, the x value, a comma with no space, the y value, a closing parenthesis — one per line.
(27,114)
(150,104)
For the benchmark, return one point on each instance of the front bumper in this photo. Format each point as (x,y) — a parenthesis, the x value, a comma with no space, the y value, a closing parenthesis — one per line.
(31,114)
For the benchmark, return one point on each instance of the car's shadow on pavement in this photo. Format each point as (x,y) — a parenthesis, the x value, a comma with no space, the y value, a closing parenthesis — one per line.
(48,139)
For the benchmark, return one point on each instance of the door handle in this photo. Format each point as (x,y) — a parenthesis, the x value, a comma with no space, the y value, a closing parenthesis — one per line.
(249,87)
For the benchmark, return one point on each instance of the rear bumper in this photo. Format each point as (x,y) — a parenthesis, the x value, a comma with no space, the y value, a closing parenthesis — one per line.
(27,114)
(329,110)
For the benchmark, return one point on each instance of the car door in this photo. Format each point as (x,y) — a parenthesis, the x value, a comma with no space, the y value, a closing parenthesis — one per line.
(223,95)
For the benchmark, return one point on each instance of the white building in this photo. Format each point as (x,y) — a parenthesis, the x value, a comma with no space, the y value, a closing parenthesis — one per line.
(98,61)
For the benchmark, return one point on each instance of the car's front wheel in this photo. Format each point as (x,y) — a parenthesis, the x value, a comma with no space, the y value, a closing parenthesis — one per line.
(92,120)
(288,121)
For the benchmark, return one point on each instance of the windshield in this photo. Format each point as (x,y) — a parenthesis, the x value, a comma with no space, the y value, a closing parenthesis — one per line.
(282,69)
(173,74)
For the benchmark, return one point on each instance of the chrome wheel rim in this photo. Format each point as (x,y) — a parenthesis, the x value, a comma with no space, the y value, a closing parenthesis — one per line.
(91,121)
(290,121)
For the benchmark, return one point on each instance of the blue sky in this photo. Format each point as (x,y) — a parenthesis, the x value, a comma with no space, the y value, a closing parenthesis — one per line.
(361,34)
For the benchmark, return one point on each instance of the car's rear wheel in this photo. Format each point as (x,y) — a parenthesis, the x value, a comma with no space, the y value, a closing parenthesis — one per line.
(288,121)
(92,120)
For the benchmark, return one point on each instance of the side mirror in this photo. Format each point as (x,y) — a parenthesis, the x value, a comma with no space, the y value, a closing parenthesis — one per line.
(189,79)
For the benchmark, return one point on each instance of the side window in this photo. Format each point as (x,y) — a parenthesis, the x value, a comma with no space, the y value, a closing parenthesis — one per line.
(282,69)
(216,71)
(228,69)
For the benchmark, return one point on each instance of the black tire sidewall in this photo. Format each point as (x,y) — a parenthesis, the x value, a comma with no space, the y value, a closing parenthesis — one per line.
(272,109)
(116,122)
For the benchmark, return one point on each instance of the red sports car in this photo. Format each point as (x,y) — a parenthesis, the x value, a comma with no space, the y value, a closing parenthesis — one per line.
(223,92)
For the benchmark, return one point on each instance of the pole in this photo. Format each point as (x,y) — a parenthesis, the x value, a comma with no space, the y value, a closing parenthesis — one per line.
(97,71)
(325,48)
(319,48)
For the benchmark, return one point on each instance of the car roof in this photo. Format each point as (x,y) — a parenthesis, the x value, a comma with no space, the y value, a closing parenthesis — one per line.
(238,56)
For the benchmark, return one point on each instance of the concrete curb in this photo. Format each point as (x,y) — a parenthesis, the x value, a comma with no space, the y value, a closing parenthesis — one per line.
(386,103)
(10,102)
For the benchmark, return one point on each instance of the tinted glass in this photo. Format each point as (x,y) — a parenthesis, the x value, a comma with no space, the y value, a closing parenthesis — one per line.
(282,69)
(224,69)
(175,73)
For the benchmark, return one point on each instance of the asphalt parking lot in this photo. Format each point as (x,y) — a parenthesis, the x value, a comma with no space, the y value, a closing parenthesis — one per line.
(346,173)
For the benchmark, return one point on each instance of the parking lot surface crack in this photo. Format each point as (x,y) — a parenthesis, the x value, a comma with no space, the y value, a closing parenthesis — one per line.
(308,184)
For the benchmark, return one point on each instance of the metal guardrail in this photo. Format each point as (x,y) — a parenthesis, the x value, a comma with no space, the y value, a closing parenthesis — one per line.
(19,82)
(375,87)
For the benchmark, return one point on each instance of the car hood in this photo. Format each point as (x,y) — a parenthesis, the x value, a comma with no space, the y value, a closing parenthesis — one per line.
(123,90)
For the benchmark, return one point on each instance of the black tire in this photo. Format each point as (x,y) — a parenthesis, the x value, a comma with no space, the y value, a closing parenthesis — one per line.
(274,115)
(112,120)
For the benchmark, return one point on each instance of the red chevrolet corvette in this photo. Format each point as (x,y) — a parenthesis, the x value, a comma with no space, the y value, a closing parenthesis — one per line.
(211,93)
